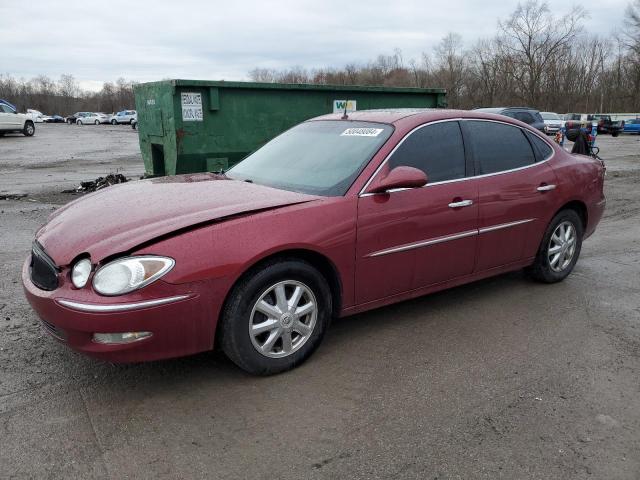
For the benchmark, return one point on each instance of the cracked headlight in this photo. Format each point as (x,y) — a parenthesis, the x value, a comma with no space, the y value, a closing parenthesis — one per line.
(130,273)
(80,273)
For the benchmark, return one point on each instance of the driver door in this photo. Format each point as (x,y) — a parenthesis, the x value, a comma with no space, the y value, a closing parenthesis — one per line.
(412,238)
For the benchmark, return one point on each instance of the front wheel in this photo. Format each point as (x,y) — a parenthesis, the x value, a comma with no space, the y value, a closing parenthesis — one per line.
(29,129)
(113,122)
(560,248)
(78,122)
(97,122)
(276,317)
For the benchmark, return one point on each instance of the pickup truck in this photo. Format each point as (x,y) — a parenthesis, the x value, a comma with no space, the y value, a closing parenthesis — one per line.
(606,125)
(12,121)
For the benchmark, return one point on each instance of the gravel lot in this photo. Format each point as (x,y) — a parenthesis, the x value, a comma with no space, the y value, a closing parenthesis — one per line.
(503,378)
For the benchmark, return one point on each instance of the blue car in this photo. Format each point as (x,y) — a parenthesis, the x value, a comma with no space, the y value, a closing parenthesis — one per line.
(632,126)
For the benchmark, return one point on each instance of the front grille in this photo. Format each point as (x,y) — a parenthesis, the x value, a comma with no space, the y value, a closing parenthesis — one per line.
(44,273)
(53,330)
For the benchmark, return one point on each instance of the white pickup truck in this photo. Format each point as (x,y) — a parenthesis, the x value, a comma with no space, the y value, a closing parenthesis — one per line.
(12,121)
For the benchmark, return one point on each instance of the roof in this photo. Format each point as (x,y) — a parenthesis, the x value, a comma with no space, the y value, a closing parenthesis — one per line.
(394,115)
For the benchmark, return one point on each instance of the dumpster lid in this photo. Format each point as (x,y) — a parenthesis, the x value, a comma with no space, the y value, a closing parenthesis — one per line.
(294,86)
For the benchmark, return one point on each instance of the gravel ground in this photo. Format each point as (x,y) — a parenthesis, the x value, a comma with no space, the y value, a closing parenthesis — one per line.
(502,378)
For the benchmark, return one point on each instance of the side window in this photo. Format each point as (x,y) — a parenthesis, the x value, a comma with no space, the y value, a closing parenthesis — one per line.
(525,117)
(436,149)
(498,147)
(542,148)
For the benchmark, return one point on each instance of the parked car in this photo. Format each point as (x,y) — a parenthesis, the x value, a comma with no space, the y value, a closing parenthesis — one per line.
(35,115)
(553,121)
(11,121)
(607,125)
(125,116)
(72,118)
(331,218)
(527,115)
(90,118)
(54,119)
(105,117)
(632,126)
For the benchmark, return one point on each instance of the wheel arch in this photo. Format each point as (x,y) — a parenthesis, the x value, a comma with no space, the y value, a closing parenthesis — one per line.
(321,262)
(580,208)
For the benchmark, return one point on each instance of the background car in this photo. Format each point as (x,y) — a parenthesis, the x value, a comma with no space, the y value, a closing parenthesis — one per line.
(12,121)
(54,119)
(632,126)
(125,116)
(529,116)
(607,125)
(553,121)
(35,115)
(331,218)
(90,118)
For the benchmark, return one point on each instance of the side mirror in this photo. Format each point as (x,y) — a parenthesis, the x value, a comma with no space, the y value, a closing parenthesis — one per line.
(399,177)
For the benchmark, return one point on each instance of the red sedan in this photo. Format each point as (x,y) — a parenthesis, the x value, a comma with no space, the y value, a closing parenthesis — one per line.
(333,217)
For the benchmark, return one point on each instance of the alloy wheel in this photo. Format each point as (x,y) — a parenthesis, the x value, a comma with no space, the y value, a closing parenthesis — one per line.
(283,319)
(562,246)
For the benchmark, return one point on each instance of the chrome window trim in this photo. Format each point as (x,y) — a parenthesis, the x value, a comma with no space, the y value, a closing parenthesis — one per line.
(447,238)
(502,172)
(118,307)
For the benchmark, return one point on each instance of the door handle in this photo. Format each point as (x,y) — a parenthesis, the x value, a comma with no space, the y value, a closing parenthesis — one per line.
(545,188)
(461,203)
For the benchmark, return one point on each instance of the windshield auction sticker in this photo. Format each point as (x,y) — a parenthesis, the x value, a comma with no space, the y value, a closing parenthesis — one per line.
(191,107)
(362,132)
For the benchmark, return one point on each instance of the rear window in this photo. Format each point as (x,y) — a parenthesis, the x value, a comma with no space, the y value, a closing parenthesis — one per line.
(498,147)
(542,148)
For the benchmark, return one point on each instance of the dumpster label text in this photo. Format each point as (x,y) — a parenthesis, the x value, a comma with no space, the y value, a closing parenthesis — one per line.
(191,107)
(361,132)
(338,106)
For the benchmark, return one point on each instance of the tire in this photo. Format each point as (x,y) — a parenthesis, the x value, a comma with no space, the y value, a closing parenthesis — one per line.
(241,312)
(97,122)
(113,122)
(78,122)
(69,122)
(543,268)
(131,122)
(615,134)
(29,129)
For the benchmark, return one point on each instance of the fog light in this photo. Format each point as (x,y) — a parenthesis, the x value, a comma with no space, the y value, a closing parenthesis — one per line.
(116,338)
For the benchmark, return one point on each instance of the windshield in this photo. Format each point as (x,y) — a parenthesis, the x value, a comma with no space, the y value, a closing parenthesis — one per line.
(550,116)
(318,158)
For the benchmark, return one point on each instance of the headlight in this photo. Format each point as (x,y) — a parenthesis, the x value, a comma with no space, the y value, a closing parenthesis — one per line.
(130,273)
(80,273)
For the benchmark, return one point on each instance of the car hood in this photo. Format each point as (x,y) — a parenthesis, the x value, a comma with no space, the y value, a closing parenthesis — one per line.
(122,217)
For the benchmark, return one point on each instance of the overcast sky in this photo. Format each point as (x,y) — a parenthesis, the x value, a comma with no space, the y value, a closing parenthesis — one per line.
(147,40)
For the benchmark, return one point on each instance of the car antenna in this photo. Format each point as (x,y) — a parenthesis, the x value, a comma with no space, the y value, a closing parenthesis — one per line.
(344,115)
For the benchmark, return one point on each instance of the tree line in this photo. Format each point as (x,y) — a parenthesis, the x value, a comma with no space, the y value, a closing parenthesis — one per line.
(535,59)
(64,96)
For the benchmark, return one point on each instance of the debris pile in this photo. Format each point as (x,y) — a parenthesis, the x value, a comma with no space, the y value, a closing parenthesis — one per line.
(98,184)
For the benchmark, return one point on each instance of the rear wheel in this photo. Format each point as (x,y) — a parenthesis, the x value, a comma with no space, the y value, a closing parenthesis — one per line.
(113,122)
(560,248)
(276,317)
(78,122)
(29,129)
(97,122)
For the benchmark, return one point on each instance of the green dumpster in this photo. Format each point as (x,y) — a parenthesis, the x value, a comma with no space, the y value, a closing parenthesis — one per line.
(196,126)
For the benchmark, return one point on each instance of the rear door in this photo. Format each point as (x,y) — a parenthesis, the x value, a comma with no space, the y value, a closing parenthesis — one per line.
(413,238)
(516,191)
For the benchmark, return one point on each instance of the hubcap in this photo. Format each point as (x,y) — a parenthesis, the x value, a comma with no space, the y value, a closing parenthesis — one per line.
(283,319)
(562,246)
